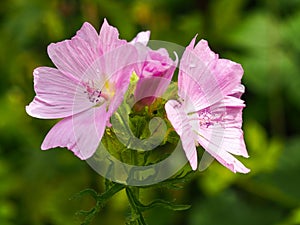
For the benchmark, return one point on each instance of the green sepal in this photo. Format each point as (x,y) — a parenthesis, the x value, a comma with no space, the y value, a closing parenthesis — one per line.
(134,78)
(87,191)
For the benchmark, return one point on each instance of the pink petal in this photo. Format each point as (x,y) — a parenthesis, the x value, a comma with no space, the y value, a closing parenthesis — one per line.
(142,37)
(203,78)
(220,142)
(180,122)
(55,95)
(154,76)
(143,52)
(76,55)
(80,133)
(109,38)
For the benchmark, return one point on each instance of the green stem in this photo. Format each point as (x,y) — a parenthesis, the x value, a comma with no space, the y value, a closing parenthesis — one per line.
(136,214)
(115,188)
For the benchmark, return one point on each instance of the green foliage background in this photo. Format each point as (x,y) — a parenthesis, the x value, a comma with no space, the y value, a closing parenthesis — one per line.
(262,35)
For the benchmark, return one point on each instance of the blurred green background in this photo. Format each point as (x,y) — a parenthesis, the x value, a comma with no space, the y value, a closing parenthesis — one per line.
(262,35)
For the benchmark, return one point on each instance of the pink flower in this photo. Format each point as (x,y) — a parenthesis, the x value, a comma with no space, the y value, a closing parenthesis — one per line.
(155,70)
(92,76)
(209,111)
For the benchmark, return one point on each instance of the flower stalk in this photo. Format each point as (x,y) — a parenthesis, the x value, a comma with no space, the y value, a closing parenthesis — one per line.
(136,216)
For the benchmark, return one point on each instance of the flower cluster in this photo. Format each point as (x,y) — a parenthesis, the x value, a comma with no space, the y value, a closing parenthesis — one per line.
(92,76)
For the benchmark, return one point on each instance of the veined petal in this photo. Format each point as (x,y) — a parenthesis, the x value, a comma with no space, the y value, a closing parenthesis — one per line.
(80,133)
(107,66)
(120,66)
(205,79)
(189,148)
(229,110)
(151,87)
(203,52)
(76,55)
(225,139)
(220,142)
(89,35)
(180,122)
(109,38)
(55,94)
(230,162)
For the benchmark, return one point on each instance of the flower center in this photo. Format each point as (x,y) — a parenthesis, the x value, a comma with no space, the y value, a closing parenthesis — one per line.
(99,96)
(96,96)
